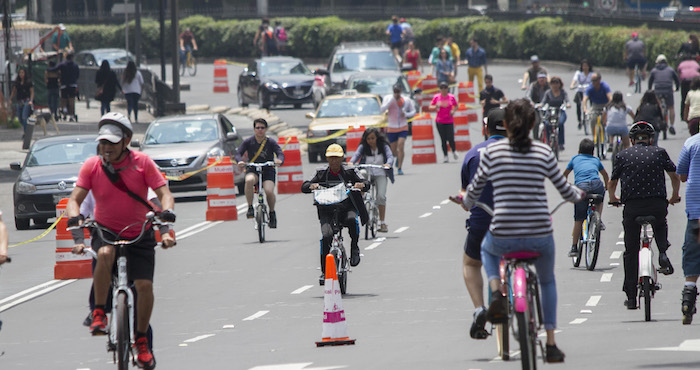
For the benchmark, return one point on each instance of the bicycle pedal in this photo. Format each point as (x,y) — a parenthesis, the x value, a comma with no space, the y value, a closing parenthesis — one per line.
(657,286)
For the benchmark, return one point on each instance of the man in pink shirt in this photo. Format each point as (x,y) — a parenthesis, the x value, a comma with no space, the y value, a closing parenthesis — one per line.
(687,69)
(446,106)
(116,210)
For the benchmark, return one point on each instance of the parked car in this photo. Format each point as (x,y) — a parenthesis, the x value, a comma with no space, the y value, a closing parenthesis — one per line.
(183,144)
(349,58)
(339,112)
(272,81)
(93,58)
(47,175)
(688,14)
(667,13)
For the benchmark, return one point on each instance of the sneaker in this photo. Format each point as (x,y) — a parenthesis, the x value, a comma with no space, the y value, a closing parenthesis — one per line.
(400,171)
(672,130)
(354,255)
(497,312)
(144,359)
(250,213)
(580,126)
(454,155)
(99,322)
(561,147)
(383,228)
(447,159)
(322,279)
(574,251)
(665,263)
(273,220)
(88,320)
(689,295)
(477,331)
(554,354)
(631,303)
(631,83)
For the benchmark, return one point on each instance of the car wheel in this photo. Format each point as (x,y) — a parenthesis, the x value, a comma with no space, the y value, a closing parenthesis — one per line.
(262,102)
(22,223)
(240,99)
(297,106)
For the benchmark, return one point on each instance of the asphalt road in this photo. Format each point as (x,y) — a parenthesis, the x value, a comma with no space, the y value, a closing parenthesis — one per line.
(225,301)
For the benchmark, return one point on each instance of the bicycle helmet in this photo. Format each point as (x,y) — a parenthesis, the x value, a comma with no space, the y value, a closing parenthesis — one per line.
(119,120)
(642,128)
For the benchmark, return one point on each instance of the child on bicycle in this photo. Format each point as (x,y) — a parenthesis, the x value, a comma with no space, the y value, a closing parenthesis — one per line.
(586,168)
(615,120)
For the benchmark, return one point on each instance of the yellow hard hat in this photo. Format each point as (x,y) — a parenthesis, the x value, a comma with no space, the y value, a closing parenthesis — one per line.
(335,150)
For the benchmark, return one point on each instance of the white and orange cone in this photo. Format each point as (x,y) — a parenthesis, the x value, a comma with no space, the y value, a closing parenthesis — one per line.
(335,329)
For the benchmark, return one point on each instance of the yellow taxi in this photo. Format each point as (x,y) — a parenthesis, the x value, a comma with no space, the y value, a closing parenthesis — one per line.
(340,112)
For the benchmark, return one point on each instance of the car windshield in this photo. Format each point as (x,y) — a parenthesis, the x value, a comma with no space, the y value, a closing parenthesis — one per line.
(349,107)
(185,131)
(379,85)
(61,153)
(355,62)
(293,67)
(115,58)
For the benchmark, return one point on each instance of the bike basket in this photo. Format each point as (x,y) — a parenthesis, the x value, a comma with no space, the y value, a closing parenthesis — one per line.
(332,195)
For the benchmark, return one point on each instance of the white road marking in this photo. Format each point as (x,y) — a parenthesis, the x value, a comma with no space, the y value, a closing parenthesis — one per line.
(436,207)
(230,326)
(620,243)
(185,231)
(593,301)
(578,321)
(445,201)
(622,235)
(302,289)
(181,345)
(256,315)
(615,264)
(380,239)
(586,311)
(401,229)
(544,334)
(37,294)
(372,246)
(424,215)
(615,255)
(242,208)
(296,366)
(208,225)
(27,291)
(196,339)
(690,345)
(606,278)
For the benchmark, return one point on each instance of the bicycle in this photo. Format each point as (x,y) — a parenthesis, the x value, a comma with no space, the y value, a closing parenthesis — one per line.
(589,241)
(370,199)
(121,334)
(189,64)
(262,217)
(582,118)
(598,131)
(333,197)
(637,79)
(664,110)
(549,127)
(616,148)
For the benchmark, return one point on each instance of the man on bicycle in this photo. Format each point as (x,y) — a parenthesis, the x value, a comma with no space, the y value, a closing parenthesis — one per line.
(634,55)
(599,94)
(327,177)
(641,169)
(663,79)
(260,149)
(478,224)
(119,180)
(187,44)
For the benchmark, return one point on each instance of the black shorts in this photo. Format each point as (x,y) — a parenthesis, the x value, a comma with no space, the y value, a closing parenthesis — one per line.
(140,257)
(472,246)
(267,173)
(69,92)
(668,97)
(396,45)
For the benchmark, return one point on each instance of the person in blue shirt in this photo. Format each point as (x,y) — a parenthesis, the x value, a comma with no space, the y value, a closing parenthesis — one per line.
(395,33)
(586,168)
(599,94)
(476,60)
(689,171)
(478,224)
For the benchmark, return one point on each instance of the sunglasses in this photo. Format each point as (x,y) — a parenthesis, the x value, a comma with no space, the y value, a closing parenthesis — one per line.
(444,88)
(260,127)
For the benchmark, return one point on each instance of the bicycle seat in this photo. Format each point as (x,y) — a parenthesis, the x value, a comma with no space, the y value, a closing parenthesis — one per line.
(645,220)
(521,255)
(594,198)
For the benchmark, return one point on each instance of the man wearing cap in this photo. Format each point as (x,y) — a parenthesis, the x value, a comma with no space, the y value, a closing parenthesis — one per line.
(64,43)
(399,109)
(634,55)
(663,79)
(478,224)
(532,72)
(536,94)
(112,176)
(327,177)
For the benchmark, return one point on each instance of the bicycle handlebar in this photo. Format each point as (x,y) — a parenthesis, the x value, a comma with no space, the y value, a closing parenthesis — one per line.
(151,218)
(262,164)
(380,166)
(458,199)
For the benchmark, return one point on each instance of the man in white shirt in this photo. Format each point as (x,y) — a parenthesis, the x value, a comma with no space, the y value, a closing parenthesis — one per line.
(399,109)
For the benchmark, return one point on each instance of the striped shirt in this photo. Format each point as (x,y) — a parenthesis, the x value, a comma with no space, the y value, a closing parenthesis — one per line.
(520,199)
(689,164)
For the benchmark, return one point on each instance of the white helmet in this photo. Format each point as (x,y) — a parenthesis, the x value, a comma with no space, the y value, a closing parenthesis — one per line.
(119,120)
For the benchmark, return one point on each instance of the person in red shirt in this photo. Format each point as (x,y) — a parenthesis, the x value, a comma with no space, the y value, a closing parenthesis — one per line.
(116,210)
(446,105)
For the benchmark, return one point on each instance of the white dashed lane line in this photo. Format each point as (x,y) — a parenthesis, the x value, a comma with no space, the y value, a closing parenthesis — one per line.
(372,246)
(197,339)
(401,229)
(445,201)
(606,278)
(256,315)
(436,207)
(622,235)
(578,321)
(586,311)
(302,289)
(615,255)
(593,301)
(424,215)
(620,243)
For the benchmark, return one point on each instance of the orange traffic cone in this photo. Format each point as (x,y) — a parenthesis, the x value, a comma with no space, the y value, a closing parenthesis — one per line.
(430,88)
(335,329)
(423,140)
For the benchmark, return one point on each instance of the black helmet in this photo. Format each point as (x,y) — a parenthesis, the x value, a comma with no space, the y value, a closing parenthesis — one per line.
(643,128)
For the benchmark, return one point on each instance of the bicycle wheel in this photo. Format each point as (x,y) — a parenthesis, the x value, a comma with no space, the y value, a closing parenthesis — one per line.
(369,223)
(637,81)
(554,144)
(646,295)
(586,121)
(341,263)
(182,67)
(576,260)
(123,335)
(374,220)
(260,221)
(192,66)
(616,149)
(527,349)
(593,244)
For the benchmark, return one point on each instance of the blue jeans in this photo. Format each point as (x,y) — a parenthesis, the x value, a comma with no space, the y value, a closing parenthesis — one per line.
(183,53)
(105,107)
(132,104)
(53,101)
(691,250)
(23,113)
(492,248)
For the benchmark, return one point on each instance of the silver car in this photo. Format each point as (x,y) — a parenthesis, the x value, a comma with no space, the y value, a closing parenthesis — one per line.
(181,146)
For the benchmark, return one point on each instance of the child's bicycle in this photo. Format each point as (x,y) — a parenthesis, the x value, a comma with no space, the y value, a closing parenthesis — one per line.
(589,241)
(262,217)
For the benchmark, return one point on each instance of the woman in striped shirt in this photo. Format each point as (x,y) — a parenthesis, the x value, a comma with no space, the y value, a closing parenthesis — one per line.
(517,168)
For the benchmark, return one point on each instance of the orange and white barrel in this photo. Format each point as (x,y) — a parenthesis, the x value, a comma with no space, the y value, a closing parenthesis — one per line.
(423,141)
(290,175)
(220,76)
(69,265)
(221,191)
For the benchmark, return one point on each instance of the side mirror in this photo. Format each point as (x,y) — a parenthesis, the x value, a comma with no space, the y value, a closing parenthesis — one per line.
(310,115)
(232,136)
(135,143)
(15,166)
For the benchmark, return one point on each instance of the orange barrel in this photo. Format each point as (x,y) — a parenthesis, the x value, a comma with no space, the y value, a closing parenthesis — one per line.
(429,90)
(423,140)
(462,141)
(290,175)
(221,191)
(353,137)
(220,76)
(462,95)
(414,80)
(69,265)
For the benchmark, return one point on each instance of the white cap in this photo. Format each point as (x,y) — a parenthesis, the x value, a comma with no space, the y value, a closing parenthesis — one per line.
(61,26)
(111,133)
(660,58)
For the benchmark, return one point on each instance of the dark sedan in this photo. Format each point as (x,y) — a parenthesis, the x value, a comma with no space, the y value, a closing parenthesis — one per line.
(272,81)
(93,58)
(181,145)
(48,174)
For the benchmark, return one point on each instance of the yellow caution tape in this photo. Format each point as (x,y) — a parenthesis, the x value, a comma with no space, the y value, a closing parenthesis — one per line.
(286,142)
(192,173)
(53,226)
(234,63)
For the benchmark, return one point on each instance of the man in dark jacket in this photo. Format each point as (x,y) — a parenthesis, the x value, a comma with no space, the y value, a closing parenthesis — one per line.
(69,86)
(663,79)
(328,177)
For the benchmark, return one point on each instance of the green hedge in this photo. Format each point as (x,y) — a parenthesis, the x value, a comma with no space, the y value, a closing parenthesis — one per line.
(550,38)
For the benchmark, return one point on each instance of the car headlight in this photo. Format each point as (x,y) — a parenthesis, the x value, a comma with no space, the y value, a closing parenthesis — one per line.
(215,152)
(272,85)
(25,187)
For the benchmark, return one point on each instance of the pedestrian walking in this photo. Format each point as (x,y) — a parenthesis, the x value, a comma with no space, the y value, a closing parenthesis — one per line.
(688,69)
(476,61)
(23,95)
(107,84)
(132,83)
(52,80)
